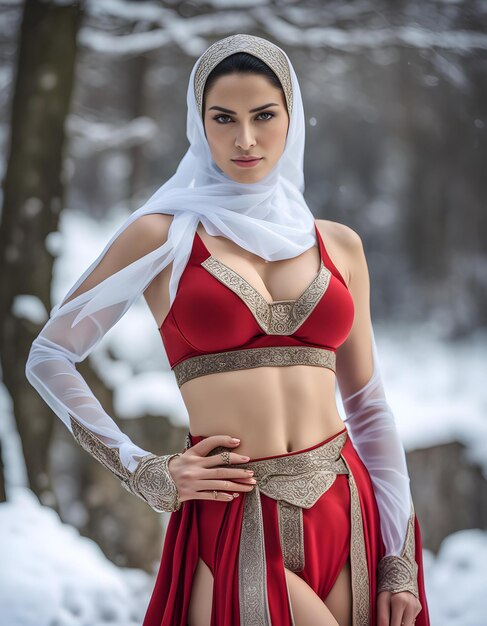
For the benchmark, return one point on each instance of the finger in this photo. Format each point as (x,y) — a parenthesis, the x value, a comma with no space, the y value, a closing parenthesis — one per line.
(384,608)
(215,460)
(222,485)
(224,457)
(409,614)
(225,473)
(216,495)
(419,608)
(399,603)
(206,445)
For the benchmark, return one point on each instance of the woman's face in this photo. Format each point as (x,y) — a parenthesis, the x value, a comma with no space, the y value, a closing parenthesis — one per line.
(234,128)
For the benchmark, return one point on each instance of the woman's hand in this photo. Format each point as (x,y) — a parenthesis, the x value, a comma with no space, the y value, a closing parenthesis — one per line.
(197,475)
(397,609)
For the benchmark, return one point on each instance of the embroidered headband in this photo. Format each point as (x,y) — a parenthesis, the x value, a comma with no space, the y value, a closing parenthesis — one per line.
(265,50)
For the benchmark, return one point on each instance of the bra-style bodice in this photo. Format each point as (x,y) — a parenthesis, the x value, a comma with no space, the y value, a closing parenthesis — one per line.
(216,311)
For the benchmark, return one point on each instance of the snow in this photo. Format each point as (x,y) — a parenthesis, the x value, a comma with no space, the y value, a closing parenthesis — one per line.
(456,580)
(52,576)
(15,471)
(90,136)
(243,16)
(237,4)
(125,10)
(358,39)
(29,307)
(126,45)
(147,393)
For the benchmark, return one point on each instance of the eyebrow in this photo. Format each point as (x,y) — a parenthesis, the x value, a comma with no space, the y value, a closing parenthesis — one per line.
(265,106)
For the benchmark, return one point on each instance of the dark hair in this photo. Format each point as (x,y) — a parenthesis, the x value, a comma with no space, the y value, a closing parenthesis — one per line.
(241,63)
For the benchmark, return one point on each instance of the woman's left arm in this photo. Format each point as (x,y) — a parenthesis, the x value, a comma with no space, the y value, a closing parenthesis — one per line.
(371,426)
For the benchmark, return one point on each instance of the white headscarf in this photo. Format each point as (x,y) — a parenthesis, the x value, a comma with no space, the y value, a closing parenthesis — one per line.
(270,218)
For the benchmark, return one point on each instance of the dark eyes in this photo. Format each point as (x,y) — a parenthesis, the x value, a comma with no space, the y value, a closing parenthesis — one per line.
(217,117)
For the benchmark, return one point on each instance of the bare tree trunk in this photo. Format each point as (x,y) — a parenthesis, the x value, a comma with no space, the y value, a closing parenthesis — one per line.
(33,198)
(137,101)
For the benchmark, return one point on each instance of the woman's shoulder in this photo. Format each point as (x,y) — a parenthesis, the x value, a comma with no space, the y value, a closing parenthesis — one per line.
(343,244)
(153,224)
(144,234)
(140,237)
(338,234)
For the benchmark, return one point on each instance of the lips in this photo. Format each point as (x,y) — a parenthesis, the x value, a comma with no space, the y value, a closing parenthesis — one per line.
(249,158)
(247,163)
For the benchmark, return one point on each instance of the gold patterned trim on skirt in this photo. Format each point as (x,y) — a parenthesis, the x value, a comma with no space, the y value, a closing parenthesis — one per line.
(248,358)
(358,557)
(296,481)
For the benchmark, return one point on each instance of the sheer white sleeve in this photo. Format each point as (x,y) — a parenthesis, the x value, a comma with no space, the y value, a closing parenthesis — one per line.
(66,339)
(51,370)
(372,429)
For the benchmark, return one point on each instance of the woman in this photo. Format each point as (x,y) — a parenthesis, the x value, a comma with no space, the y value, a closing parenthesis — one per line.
(263,325)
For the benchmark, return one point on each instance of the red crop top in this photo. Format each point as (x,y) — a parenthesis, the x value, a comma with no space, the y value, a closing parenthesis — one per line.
(218,321)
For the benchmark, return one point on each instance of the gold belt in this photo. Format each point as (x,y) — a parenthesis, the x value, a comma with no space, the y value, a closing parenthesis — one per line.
(296,482)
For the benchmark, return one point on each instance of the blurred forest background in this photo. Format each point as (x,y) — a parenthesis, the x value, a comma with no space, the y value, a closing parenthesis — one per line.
(93,120)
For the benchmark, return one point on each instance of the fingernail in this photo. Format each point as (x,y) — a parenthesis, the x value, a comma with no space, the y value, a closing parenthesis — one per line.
(235,495)
(246,458)
(235,440)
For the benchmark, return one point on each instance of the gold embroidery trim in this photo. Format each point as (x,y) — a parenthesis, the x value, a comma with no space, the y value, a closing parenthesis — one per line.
(252,576)
(358,558)
(265,50)
(248,358)
(291,532)
(281,317)
(296,482)
(151,481)
(399,573)
(108,457)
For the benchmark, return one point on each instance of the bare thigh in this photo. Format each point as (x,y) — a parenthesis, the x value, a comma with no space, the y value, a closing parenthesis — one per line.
(307,607)
(199,612)
(339,600)
(310,610)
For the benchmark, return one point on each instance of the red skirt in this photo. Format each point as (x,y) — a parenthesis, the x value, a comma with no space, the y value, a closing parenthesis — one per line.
(329,530)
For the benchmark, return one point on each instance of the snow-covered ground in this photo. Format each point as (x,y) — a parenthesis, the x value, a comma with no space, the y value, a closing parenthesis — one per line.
(51,576)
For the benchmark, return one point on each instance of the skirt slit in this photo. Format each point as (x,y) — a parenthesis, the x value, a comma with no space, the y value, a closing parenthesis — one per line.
(342,523)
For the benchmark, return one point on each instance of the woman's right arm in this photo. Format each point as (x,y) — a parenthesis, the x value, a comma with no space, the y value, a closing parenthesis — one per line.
(51,370)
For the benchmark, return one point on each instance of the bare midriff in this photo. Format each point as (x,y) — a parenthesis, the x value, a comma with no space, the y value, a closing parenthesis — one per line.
(272,410)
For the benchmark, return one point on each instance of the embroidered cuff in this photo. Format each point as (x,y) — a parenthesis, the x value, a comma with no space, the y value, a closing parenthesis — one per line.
(399,573)
(108,457)
(151,479)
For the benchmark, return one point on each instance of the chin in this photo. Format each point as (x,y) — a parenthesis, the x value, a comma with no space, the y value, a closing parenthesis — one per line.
(249,178)
(243,175)
(250,175)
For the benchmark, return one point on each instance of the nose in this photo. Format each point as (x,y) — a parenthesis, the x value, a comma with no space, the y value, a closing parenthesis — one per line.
(245,138)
